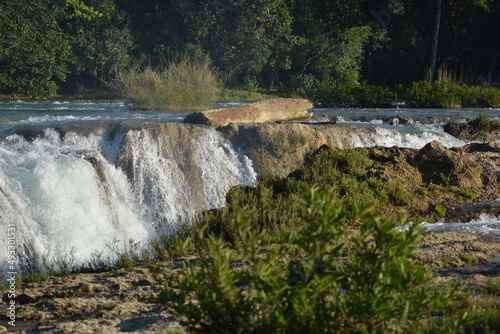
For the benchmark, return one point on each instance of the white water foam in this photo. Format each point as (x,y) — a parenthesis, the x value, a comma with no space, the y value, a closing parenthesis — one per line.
(417,138)
(61,201)
(485,225)
(68,202)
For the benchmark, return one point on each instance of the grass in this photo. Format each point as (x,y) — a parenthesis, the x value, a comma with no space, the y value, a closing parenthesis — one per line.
(469,259)
(448,94)
(440,211)
(485,310)
(35,277)
(183,85)
(485,123)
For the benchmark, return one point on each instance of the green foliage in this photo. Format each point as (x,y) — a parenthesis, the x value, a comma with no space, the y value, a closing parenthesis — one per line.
(349,173)
(102,43)
(485,310)
(35,277)
(493,285)
(338,93)
(467,193)
(36,43)
(445,94)
(181,86)
(255,43)
(469,259)
(441,212)
(34,51)
(485,123)
(249,38)
(190,86)
(315,281)
(302,85)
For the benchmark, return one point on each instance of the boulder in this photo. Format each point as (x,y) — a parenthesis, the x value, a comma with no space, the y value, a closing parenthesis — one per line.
(441,165)
(267,111)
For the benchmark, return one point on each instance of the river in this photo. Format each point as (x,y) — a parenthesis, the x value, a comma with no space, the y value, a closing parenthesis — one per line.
(84,180)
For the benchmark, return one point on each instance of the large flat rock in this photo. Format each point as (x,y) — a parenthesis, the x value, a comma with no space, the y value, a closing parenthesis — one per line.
(267,111)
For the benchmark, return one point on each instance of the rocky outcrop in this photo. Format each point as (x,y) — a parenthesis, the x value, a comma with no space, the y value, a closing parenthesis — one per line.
(441,165)
(464,174)
(279,149)
(470,131)
(474,166)
(267,111)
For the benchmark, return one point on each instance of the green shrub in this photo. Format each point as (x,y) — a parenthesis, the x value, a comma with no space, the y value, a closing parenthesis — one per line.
(190,86)
(302,85)
(35,277)
(485,123)
(183,85)
(315,281)
(335,93)
(469,259)
(441,212)
(467,193)
(445,94)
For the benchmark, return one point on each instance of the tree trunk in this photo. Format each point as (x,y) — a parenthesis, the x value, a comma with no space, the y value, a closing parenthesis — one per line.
(435,38)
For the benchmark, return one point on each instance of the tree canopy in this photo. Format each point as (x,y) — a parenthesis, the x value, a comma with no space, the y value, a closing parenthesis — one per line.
(50,44)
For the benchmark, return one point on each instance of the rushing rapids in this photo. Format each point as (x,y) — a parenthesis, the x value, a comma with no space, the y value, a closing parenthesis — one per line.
(73,197)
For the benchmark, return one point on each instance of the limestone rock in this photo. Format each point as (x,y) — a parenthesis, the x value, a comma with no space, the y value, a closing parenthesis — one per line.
(440,165)
(470,131)
(267,111)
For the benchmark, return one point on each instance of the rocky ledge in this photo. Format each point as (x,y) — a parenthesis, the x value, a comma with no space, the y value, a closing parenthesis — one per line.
(472,132)
(267,111)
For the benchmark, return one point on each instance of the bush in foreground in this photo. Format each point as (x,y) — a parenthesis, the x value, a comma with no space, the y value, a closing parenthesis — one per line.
(316,280)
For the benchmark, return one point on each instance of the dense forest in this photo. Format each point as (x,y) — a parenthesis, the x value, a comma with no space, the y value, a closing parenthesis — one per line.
(60,46)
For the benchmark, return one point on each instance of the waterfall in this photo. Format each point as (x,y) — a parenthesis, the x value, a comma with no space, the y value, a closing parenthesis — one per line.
(413,136)
(73,196)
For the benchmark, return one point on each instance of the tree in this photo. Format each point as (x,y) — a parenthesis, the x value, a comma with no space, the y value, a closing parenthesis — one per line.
(35,52)
(331,38)
(435,37)
(100,46)
(249,37)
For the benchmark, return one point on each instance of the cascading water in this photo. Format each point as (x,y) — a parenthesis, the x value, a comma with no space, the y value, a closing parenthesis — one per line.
(412,136)
(73,196)
(78,177)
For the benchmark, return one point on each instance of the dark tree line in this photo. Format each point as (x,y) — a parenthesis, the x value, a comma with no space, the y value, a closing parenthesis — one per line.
(47,44)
